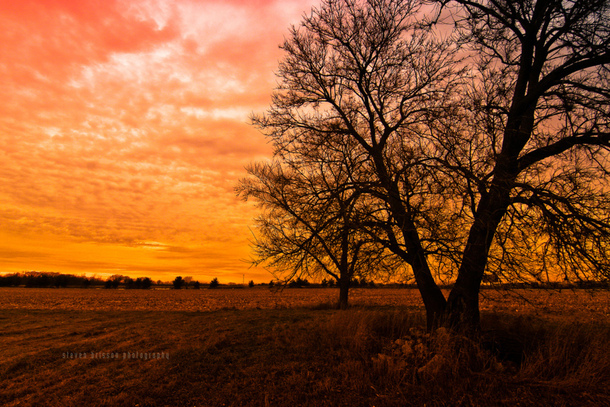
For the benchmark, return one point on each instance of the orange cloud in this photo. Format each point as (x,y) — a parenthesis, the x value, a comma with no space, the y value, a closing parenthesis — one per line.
(125,123)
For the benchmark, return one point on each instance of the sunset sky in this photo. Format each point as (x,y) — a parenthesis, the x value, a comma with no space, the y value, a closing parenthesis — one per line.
(124,130)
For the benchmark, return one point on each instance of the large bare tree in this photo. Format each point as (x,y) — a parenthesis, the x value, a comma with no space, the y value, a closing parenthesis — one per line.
(485,146)
(539,108)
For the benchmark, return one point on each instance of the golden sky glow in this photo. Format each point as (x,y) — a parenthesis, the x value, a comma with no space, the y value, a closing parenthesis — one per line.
(123,131)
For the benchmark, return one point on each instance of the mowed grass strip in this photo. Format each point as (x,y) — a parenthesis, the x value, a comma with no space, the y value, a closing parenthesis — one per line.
(299,356)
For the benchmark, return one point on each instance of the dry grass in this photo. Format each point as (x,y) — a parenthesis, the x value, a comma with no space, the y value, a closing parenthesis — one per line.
(311,355)
(574,303)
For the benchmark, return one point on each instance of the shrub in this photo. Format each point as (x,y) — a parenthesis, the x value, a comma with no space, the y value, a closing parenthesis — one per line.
(143,283)
(178,283)
(299,282)
(129,283)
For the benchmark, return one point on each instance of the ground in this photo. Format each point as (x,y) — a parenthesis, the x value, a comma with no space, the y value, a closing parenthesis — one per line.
(72,347)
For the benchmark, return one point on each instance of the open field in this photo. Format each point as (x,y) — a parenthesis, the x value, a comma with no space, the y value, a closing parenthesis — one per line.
(72,347)
(588,304)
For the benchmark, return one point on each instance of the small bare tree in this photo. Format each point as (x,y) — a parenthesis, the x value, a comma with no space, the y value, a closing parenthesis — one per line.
(312,217)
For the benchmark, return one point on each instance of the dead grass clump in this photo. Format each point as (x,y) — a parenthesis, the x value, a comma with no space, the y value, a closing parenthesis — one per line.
(361,332)
(441,357)
(391,354)
(570,355)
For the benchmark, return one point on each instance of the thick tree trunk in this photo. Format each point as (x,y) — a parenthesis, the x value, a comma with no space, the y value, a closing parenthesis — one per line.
(462,311)
(343,292)
(431,294)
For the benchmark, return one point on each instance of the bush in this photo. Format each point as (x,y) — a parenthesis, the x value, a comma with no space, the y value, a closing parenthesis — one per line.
(298,283)
(178,283)
(144,283)
(214,283)
(129,283)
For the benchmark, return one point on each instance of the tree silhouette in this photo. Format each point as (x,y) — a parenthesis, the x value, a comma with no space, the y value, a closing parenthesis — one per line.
(311,224)
(482,151)
(539,114)
(178,282)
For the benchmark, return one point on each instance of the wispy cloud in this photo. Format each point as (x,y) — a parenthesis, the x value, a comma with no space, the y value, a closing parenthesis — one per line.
(125,122)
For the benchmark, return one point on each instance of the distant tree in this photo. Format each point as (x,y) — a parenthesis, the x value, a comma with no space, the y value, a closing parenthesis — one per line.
(115,280)
(271,284)
(214,283)
(9,280)
(299,283)
(129,283)
(196,285)
(38,279)
(143,283)
(60,280)
(311,222)
(187,281)
(251,283)
(178,283)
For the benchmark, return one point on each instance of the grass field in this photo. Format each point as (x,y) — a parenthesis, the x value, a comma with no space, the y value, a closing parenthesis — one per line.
(72,347)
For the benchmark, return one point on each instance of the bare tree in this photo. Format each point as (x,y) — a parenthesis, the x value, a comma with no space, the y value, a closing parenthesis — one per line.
(484,150)
(365,71)
(539,110)
(311,223)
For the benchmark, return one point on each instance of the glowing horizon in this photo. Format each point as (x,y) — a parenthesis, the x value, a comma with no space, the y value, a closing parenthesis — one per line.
(124,129)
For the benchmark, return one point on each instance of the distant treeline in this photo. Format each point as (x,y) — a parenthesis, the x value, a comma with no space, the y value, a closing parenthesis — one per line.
(37,279)
(47,279)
